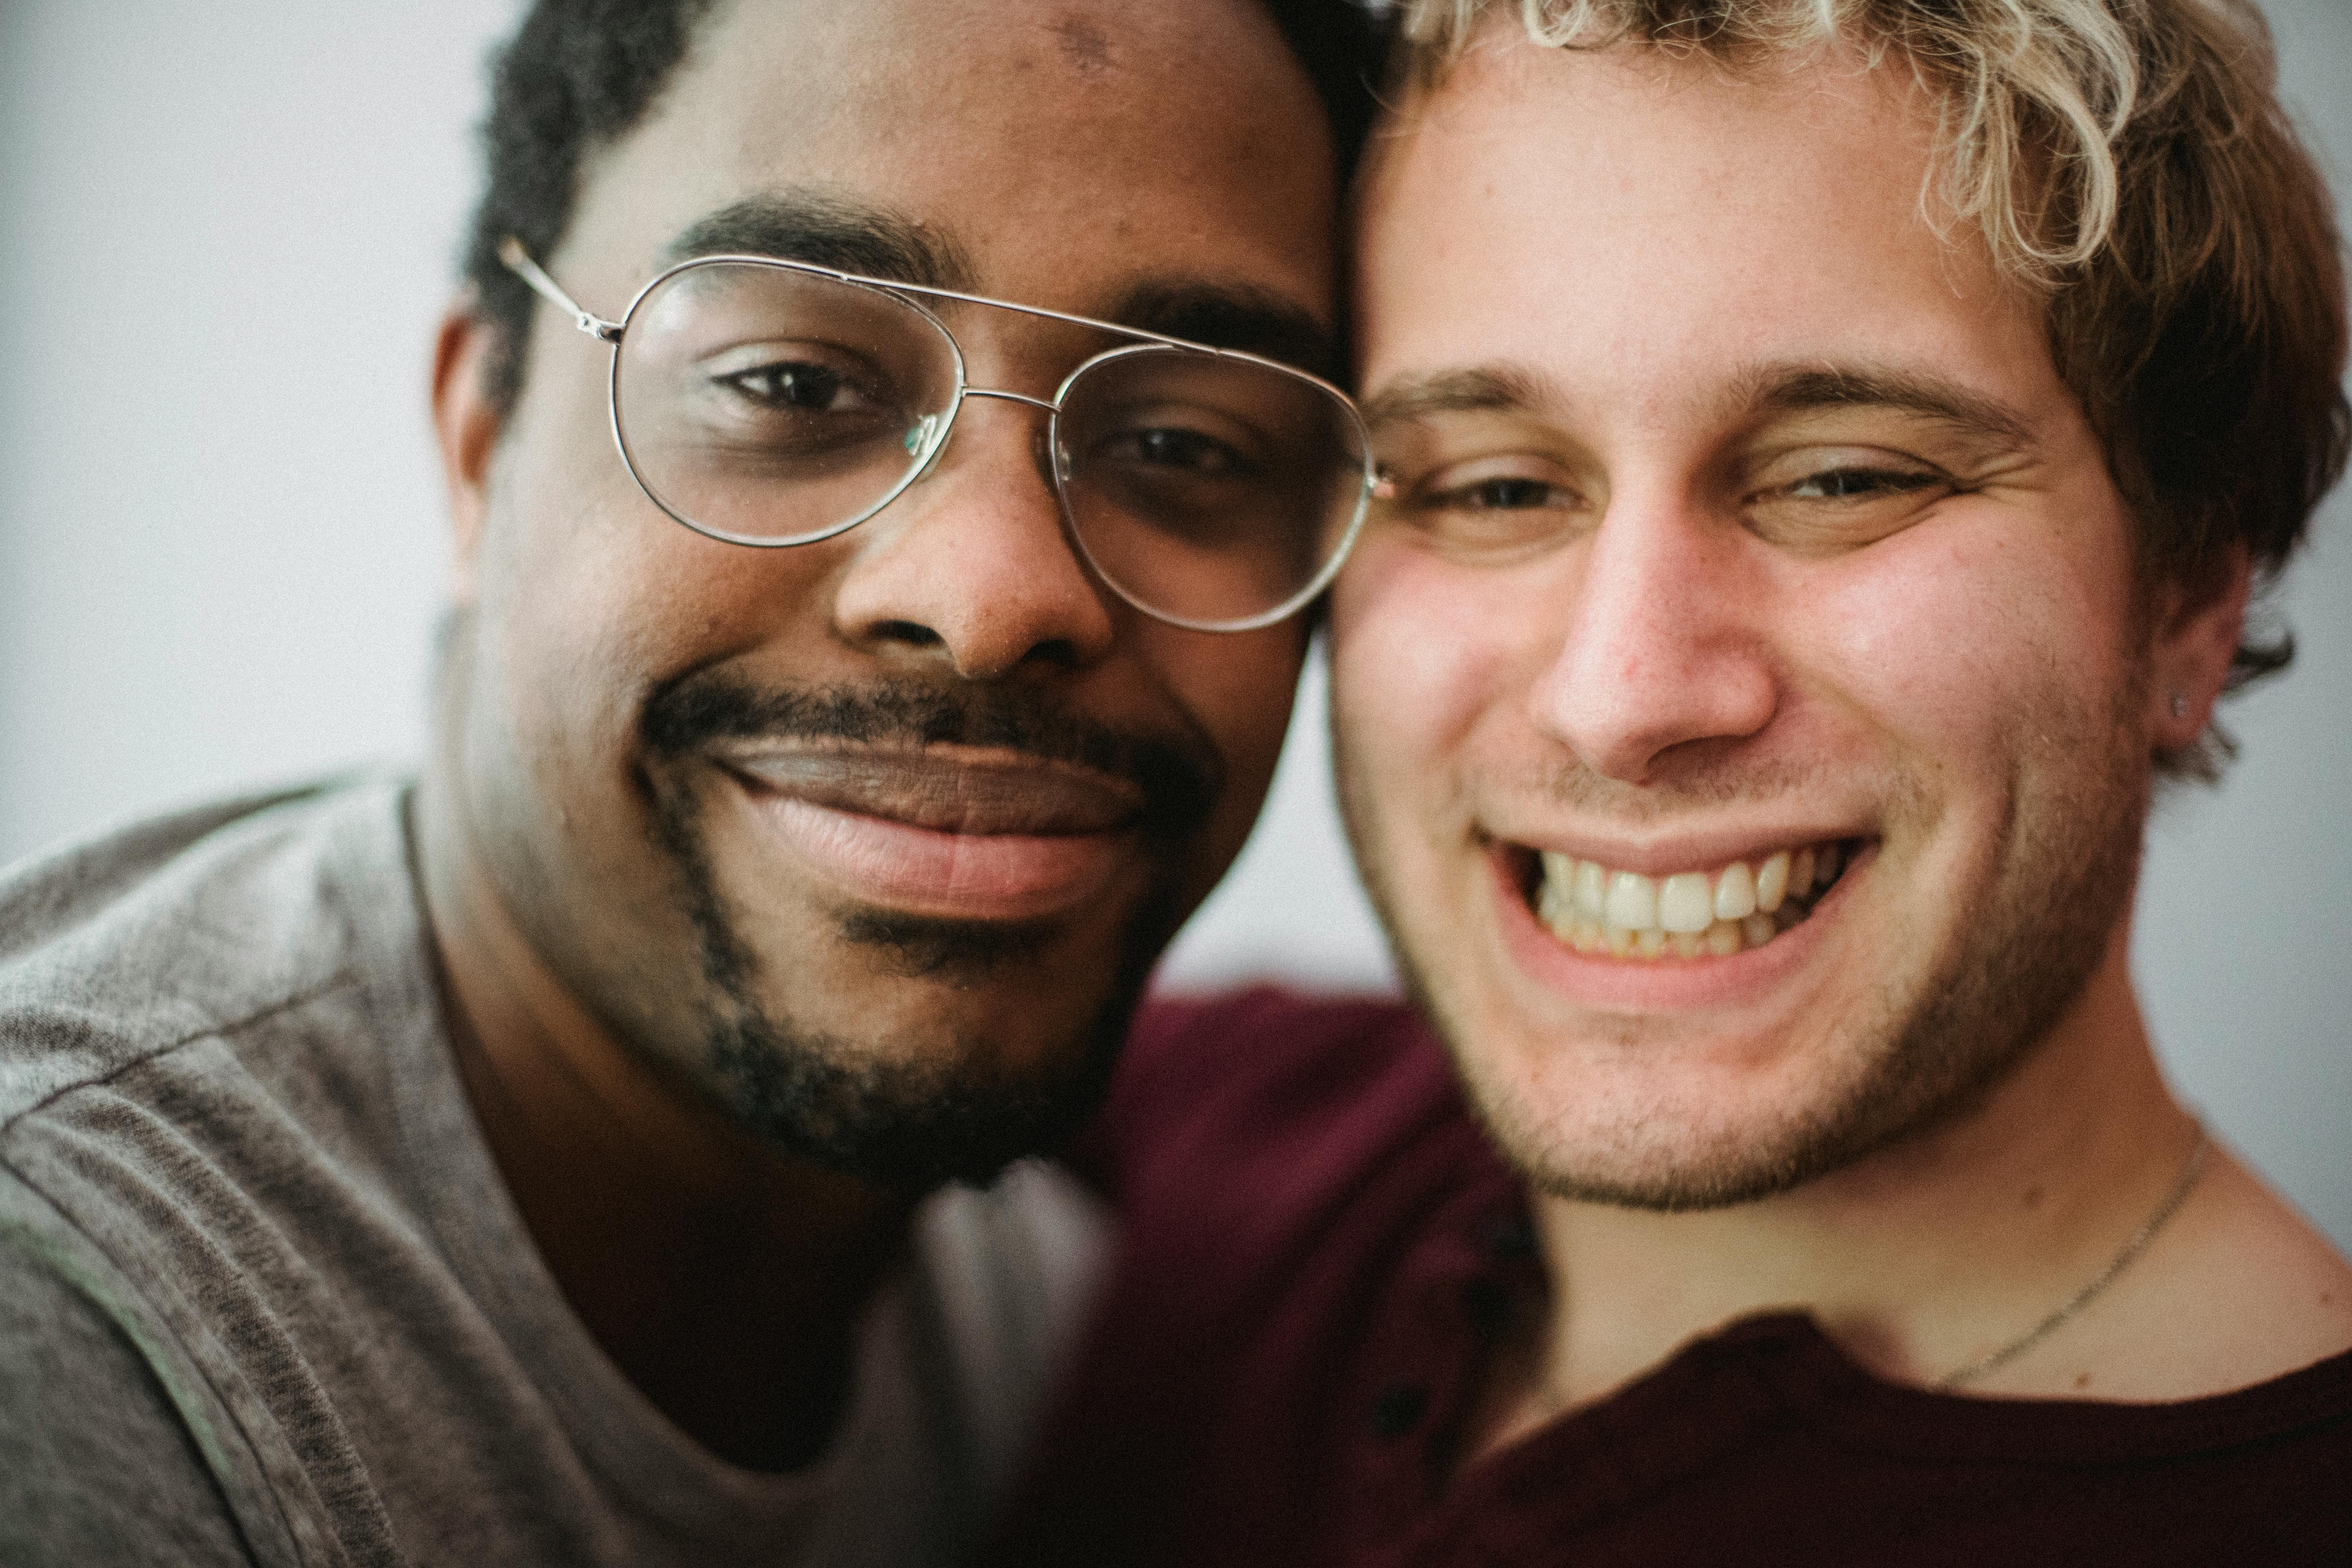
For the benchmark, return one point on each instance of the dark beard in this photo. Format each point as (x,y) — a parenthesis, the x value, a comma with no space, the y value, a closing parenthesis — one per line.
(907,1126)
(909,1122)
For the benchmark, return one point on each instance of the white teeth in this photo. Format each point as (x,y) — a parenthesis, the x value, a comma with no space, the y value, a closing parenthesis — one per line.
(1734,895)
(1632,901)
(1685,902)
(1592,891)
(1552,904)
(1625,914)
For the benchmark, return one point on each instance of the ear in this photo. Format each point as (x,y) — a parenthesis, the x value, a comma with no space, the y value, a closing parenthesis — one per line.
(2195,642)
(467,426)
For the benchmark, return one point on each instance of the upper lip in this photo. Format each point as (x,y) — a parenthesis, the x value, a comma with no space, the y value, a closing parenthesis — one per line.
(949,788)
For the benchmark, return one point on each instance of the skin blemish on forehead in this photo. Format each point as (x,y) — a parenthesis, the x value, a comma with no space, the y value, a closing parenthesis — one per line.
(1083,44)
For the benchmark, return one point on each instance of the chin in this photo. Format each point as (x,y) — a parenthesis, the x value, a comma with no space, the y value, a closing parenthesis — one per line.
(907,1115)
(924,1050)
(1673,1136)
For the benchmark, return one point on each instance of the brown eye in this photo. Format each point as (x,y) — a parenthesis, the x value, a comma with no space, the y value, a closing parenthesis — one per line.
(1492,517)
(1175,449)
(1844,484)
(1506,494)
(788,385)
(799,385)
(1828,506)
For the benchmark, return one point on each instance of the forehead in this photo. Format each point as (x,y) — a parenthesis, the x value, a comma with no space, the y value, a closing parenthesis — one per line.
(1651,223)
(1061,149)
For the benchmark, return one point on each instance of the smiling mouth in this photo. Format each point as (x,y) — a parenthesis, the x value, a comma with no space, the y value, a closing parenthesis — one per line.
(1700,913)
(947,831)
(980,791)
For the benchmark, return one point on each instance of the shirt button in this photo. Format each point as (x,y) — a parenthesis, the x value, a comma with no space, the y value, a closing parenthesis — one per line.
(1399,1409)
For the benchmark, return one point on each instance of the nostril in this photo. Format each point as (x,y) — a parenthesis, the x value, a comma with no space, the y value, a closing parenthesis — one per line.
(914,633)
(1059,651)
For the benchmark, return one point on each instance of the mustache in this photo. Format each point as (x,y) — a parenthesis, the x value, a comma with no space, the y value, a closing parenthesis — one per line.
(1682,787)
(1181,778)
(1706,780)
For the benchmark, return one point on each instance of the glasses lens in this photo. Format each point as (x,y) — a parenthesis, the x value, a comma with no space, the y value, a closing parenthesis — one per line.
(770,406)
(1213,491)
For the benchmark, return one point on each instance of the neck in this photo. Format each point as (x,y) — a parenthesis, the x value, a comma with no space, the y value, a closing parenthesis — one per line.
(726,1280)
(1918,1260)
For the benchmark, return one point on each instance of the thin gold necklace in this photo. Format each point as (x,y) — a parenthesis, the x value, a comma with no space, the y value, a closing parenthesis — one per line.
(2107,1276)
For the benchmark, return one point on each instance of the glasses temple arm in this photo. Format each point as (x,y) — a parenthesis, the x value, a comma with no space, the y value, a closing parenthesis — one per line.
(519,262)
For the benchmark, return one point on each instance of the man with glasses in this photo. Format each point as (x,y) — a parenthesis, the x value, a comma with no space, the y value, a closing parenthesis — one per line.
(1833,445)
(875,623)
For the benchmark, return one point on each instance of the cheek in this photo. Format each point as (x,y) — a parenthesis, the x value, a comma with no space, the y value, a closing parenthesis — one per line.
(590,598)
(1237,688)
(1962,645)
(573,623)
(1423,653)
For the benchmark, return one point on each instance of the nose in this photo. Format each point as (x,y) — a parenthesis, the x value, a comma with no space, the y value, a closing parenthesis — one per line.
(971,564)
(1662,649)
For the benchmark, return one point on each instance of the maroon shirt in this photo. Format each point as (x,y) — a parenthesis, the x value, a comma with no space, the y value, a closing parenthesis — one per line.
(1320,1244)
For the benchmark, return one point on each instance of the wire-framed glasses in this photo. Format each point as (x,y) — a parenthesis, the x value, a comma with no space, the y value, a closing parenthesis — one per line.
(767,402)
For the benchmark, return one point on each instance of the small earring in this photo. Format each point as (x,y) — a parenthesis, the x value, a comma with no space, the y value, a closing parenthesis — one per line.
(2179,706)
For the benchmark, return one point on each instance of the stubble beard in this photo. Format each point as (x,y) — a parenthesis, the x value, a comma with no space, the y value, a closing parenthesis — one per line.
(1924,1055)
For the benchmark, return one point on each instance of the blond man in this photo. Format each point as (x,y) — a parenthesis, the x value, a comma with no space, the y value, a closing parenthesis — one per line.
(1834,443)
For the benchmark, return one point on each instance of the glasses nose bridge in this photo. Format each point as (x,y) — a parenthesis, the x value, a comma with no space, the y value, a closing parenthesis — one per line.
(1044,444)
(1009,314)
(1038,403)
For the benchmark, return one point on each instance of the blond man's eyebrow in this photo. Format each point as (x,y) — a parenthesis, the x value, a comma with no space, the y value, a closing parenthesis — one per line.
(1506,388)
(1791,389)
(1476,389)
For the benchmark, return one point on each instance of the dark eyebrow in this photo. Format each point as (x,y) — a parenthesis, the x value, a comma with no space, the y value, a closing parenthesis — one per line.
(1801,390)
(830,231)
(1482,389)
(1229,316)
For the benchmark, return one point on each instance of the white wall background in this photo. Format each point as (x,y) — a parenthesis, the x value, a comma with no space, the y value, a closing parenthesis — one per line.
(225,233)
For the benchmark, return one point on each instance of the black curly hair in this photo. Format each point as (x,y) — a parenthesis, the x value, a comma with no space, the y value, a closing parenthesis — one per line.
(578,74)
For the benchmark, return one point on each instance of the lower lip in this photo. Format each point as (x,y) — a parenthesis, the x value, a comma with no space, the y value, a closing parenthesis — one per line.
(951,876)
(1656,985)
